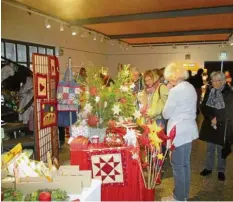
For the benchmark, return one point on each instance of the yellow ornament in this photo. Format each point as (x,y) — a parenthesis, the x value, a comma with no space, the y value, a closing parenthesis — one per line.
(160,156)
(155,141)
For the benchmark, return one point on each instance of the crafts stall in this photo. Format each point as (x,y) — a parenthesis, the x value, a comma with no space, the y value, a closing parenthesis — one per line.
(24,179)
(112,140)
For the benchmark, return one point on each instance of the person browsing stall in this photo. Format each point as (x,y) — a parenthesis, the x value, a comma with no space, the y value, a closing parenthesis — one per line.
(180,110)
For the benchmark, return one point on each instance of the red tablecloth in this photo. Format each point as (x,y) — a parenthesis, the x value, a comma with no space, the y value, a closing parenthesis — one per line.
(132,189)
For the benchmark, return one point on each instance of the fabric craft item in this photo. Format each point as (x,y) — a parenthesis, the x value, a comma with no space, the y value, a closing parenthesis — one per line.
(108,168)
(81,130)
(67,93)
(64,118)
(215,99)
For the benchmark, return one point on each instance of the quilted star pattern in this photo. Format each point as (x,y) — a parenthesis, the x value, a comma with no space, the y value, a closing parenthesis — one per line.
(108,168)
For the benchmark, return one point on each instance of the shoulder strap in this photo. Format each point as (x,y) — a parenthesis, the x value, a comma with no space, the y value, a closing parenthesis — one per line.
(159,92)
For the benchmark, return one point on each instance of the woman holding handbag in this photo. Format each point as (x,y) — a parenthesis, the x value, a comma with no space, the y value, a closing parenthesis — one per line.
(154,97)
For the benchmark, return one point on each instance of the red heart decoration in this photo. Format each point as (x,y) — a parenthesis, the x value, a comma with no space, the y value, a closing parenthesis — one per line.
(41,87)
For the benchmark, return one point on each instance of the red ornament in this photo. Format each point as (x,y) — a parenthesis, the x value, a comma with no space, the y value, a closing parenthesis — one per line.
(112,124)
(45,196)
(172,147)
(92,120)
(123,100)
(93,91)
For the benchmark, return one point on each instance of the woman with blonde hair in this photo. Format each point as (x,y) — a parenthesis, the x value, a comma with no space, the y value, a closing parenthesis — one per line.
(154,97)
(180,110)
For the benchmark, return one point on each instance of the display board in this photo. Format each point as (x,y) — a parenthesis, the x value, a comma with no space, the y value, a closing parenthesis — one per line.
(45,77)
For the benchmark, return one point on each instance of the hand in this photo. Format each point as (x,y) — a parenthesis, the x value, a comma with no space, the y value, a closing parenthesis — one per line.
(169,86)
(214,121)
(144,111)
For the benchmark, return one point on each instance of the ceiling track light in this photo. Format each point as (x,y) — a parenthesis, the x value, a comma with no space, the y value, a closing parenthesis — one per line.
(62,27)
(102,39)
(47,24)
(74,31)
(94,37)
(174,46)
(111,42)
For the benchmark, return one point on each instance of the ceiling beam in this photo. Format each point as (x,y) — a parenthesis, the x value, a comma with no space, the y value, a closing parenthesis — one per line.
(177,33)
(156,15)
(179,43)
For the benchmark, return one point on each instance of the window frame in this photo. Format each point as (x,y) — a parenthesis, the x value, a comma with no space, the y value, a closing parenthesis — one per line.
(27,44)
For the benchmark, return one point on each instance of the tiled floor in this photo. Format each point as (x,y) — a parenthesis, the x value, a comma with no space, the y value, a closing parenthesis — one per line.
(202,188)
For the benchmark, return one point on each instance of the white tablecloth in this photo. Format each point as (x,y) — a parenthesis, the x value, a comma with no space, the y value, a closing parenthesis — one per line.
(92,193)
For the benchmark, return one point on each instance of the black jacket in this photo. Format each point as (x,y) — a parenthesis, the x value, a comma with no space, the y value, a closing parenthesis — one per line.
(223,135)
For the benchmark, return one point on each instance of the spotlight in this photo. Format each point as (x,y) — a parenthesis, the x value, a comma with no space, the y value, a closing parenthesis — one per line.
(231,43)
(62,27)
(186,46)
(221,45)
(74,31)
(101,39)
(111,42)
(47,24)
(95,37)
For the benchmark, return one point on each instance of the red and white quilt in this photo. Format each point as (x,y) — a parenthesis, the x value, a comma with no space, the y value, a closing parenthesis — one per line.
(108,168)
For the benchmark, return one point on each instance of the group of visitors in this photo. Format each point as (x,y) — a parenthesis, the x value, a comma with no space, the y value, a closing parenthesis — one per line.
(175,96)
(172,94)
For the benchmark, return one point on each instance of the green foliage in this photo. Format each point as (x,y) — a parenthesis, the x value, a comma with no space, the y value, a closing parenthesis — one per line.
(56,195)
(12,195)
(110,96)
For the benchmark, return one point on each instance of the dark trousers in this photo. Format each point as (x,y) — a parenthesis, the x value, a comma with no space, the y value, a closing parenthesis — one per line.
(61,134)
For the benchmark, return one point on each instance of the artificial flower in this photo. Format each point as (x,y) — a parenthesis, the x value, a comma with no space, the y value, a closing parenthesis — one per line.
(137,114)
(116,109)
(88,108)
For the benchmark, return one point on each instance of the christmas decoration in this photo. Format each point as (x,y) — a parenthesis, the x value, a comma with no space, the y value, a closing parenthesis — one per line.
(107,103)
(108,168)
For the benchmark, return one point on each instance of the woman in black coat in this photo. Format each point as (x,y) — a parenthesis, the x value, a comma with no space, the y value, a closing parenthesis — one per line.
(217,127)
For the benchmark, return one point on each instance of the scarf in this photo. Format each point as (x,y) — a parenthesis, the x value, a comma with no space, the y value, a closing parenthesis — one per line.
(215,99)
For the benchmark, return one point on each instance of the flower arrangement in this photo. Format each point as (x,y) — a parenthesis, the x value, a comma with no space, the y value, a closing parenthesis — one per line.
(102,104)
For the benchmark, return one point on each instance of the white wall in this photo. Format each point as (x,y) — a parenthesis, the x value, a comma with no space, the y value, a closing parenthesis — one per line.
(158,57)
(19,25)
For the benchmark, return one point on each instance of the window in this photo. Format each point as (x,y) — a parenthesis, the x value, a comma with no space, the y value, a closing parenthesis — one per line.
(11,51)
(32,49)
(21,52)
(2,49)
(41,50)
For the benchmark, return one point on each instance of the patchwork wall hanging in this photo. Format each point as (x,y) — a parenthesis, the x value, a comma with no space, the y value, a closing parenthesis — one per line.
(48,113)
(53,67)
(109,168)
(41,86)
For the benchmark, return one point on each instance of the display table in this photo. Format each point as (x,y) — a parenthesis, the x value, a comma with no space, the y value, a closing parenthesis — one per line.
(92,193)
(117,168)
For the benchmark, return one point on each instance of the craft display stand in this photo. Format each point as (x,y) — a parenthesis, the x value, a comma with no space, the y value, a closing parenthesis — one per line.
(116,167)
(45,74)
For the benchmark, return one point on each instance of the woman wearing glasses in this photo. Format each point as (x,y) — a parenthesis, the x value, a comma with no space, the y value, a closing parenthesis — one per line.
(217,127)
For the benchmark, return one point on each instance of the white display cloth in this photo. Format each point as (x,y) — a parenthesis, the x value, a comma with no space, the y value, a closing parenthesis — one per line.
(92,193)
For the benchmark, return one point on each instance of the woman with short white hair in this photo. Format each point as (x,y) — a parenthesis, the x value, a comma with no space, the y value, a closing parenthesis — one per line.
(180,110)
(217,127)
